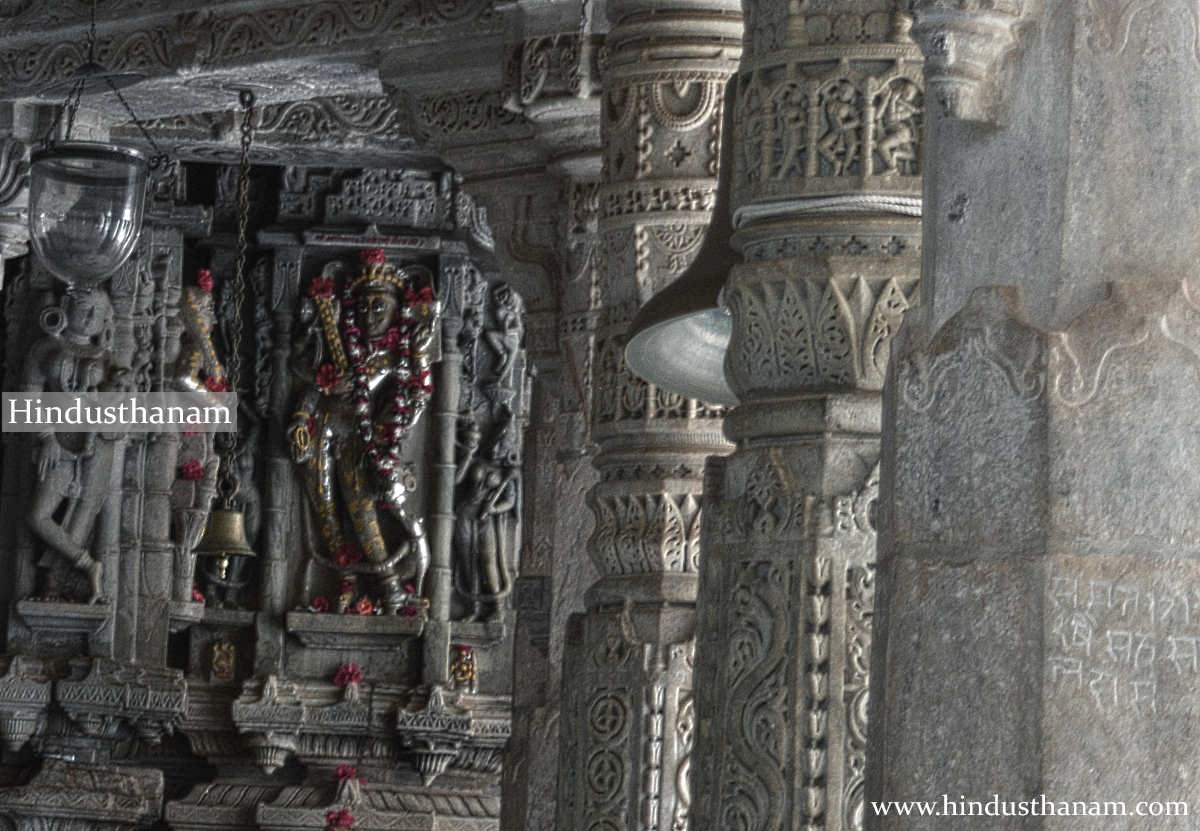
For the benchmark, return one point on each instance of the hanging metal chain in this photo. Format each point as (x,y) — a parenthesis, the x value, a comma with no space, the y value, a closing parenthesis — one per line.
(227,485)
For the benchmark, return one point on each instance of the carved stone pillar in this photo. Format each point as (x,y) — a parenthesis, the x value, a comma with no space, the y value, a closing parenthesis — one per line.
(627,700)
(1037,624)
(826,188)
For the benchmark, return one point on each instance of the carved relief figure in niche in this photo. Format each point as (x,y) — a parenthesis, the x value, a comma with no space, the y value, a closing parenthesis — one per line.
(505,341)
(487,501)
(896,123)
(73,469)
(196,367)
(352,420)
(790,123)
(840,143)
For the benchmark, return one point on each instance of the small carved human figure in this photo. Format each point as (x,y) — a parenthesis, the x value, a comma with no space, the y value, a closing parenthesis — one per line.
(896,124)
(839,145)
(505,341)
(348,428)
(74,469)
(793,124)
(488,493)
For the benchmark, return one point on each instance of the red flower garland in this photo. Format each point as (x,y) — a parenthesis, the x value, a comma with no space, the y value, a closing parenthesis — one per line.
(320,287)
(328,376)
(341,818)
(191,470)
(345,773)
(347,555)
(204,280)
(383,446)
(348,674)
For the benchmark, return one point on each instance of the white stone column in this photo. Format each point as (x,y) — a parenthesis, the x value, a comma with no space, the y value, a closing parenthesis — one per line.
(826,185)
(1037,624)
(628,719)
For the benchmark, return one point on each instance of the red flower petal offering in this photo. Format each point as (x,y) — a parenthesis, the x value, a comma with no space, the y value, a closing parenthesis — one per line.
(346,556)
(320,287)
(372,256)
(341,818)
(348,674)
(364,606)
(409,611)
(319,604)
(327,376)
(345,587)
(420,297)
(204,279)
(390,340)
(345,772)
(217,383)
(197,595)
(191,470)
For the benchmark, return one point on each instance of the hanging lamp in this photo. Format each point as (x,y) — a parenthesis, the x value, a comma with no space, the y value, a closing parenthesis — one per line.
(86,198)
(678,339)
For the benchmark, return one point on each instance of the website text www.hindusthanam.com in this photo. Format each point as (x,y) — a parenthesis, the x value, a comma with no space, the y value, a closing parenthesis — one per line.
(1041,806)
(140,412)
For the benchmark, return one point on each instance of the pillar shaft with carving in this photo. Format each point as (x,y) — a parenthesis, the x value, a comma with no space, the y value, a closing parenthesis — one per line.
(826,200)
(627,701)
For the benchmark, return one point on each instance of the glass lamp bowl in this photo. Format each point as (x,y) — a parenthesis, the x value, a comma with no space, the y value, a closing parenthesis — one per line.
(86,201)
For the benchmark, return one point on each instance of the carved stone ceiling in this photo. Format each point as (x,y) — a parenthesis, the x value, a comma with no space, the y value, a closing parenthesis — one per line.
(315,68)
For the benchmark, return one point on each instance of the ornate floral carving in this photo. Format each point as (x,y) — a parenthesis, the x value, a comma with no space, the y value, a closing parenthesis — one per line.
(860,605)
(651,198)
(392,197)
(860,244)
(464,112)
(562,64)
(340,115)
(645,533)
(622,396)
(215,39)
(794,333)
(752,790)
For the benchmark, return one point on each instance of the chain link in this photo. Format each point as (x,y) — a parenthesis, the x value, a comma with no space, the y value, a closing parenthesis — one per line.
(228,485)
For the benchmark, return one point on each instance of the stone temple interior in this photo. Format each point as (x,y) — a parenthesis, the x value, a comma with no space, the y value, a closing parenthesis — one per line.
(460,568)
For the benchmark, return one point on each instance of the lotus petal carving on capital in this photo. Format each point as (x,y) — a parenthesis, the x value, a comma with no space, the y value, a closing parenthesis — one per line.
(790,334)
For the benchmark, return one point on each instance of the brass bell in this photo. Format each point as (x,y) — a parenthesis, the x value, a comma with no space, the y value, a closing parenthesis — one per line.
(224,537)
